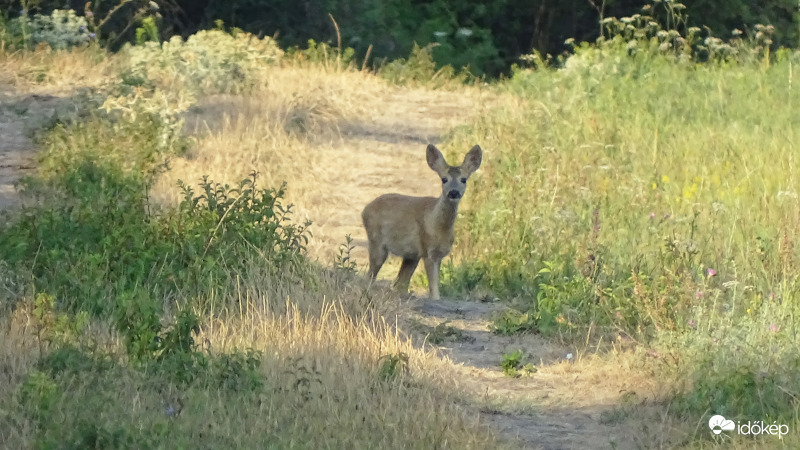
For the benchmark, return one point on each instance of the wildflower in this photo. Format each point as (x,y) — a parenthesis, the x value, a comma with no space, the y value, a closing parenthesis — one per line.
(89,14)
(569,356)
(92,35)
(692,324)
(711,272)
(773,328)
(772,296)
(170,411)
(699,295)
(440,34)
(652,215)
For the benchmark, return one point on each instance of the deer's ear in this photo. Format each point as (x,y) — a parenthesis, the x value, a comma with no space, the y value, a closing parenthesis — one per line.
(473,160)
(435,159)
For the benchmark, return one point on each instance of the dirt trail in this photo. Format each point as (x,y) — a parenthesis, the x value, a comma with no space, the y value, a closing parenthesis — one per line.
(566,404)
(18,116)
(561,406)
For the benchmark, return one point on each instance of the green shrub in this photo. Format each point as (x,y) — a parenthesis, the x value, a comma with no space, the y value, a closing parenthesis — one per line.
(62,29)
(208,62)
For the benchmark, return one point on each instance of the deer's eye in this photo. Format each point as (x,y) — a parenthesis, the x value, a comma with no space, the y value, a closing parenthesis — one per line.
(464,180)
(444,180)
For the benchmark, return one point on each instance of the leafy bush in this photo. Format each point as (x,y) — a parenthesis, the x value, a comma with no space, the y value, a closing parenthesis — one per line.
(208,62)
(62,29)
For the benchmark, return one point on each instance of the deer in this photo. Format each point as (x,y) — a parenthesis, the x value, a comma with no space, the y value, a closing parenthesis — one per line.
(415,228)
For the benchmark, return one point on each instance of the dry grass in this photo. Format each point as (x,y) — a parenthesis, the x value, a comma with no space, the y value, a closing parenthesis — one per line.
(54,71)
(322,368)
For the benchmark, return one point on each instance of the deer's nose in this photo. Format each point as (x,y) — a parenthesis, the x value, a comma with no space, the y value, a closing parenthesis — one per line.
(454,194)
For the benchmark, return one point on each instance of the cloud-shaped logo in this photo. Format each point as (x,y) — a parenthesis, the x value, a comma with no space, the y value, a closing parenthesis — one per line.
(718,424)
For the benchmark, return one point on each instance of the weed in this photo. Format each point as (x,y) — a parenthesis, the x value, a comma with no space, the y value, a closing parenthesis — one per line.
(321,53)
(393,365)
(512,321)
(343,261)
(514,365)
(420,69)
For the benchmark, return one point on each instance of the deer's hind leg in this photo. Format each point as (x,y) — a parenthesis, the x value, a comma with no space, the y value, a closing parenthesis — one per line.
(377,256)
(404,275)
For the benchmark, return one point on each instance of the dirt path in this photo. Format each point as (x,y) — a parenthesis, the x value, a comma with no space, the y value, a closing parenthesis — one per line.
(570,402)
(17,150)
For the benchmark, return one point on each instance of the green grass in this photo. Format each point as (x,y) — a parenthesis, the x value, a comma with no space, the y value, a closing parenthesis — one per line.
(652,196)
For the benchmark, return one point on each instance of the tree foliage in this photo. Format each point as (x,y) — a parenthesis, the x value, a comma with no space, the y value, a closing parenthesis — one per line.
(485,36)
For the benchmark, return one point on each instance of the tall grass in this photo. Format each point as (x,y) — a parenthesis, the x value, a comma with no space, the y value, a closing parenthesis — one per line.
(647,195)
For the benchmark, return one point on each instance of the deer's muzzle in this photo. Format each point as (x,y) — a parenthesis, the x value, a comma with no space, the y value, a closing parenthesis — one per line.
(454,194)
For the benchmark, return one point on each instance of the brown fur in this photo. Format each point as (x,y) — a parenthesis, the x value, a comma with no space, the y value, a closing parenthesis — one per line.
(415,228)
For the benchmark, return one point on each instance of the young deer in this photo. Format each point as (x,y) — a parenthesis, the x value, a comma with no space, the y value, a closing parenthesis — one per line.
(415,228)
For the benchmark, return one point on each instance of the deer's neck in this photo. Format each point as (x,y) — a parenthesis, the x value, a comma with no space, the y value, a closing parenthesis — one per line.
(444,214)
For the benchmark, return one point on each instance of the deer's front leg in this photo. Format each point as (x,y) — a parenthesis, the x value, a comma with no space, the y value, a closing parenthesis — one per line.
(432,270)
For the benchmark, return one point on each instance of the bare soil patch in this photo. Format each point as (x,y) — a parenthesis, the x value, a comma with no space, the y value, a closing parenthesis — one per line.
(20,115)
